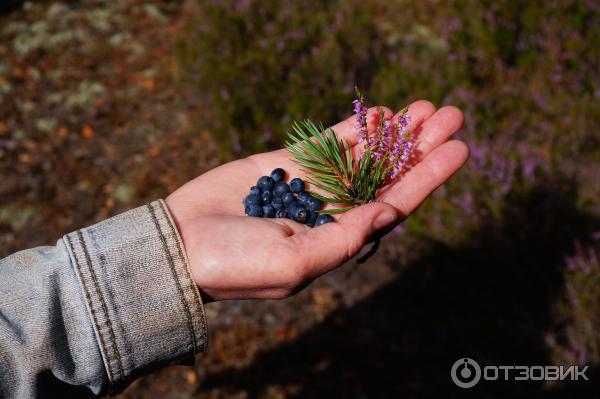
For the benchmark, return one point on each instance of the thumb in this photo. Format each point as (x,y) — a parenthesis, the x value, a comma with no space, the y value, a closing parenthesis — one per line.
(327,246)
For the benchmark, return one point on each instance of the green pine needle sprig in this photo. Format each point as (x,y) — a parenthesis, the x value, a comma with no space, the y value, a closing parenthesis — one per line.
(330,165)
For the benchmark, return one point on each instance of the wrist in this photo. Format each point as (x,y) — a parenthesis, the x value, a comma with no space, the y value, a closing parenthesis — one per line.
(186,222)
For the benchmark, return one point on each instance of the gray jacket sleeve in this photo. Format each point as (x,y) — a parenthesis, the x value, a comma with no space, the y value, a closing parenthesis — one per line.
(105,305)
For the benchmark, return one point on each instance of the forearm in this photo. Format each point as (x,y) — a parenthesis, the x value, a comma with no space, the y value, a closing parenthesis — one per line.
(108,303)
(45,333)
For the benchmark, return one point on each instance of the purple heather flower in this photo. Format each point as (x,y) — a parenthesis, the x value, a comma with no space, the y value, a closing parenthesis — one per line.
(400,230)
(361,119)
(571,266)
(390,144)
(403,122)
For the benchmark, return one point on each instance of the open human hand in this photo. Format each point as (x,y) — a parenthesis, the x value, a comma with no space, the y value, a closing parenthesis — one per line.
(233,256)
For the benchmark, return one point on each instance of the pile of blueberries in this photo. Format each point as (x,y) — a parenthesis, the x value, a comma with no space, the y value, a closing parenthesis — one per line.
(272,197)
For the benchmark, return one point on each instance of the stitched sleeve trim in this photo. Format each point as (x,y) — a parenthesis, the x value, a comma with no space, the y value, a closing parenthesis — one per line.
(175,276)
(97,308)
(142,301)
(190,291)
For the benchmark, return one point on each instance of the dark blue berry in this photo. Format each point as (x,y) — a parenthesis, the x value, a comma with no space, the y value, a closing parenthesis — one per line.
(254,210)
(298,212)
(278,175)
(277,203)
(277,200)
(296,203)
(254,190)
(324,218)
(297,185)
(303,196)
(282,213)
(281,188)
(252,199)
(288,199)
(313,204)
(266,196)
(269,211)
(313,218)
(265,183)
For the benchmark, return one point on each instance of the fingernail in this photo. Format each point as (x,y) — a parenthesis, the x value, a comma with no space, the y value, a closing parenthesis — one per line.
(384,219)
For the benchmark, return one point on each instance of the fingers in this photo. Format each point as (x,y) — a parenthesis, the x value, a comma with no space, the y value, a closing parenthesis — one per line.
(436,130)
(327,246)
(437,167)
(419,111)
(346,130)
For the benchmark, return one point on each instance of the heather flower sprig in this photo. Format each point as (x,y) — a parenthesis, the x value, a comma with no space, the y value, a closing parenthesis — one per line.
(351,180)
(360,109)
(390,145)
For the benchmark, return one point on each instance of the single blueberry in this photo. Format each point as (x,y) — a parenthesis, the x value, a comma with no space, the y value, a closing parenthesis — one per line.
(282,213)
(254,210)
(288,199)
(269,211)
(277,202)
(277,205)
(265,183)
(278,175)
(266,196)
(312,218)
(252,199)
(324,218)
(298,212)
(297,185)
(296,203)
(303,196)
(281,188)
(254,190)
(312,203)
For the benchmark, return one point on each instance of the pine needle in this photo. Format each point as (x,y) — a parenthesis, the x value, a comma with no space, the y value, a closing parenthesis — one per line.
(329,163)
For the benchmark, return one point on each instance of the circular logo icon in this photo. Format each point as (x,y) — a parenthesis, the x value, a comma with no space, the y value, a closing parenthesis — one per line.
(465,373)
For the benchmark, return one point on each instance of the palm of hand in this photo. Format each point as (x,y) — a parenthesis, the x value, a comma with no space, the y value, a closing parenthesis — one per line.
(233,256)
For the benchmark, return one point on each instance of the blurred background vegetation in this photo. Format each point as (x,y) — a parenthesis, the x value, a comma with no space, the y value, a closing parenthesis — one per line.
(105,105)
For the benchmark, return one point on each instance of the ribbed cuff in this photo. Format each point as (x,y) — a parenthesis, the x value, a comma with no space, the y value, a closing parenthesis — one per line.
(143,303)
